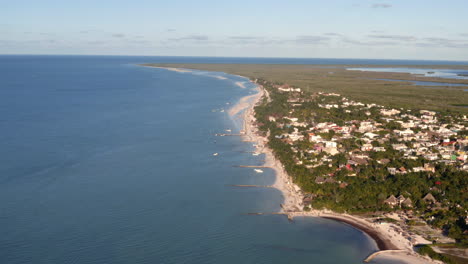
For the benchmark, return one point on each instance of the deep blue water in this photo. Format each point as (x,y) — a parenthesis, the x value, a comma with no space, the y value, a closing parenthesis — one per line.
(104,161)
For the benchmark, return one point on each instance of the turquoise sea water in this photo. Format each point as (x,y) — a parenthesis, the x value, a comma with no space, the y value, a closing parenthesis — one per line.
(104,161)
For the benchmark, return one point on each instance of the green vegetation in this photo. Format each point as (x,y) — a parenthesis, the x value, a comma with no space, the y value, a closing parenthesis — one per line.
(414,223)
(366,191)
(428,251)
(356,85)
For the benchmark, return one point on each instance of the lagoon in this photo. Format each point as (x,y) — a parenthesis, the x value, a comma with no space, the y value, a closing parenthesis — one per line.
(439,73)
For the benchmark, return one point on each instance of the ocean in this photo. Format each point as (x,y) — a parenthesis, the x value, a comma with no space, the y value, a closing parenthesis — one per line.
(105,161)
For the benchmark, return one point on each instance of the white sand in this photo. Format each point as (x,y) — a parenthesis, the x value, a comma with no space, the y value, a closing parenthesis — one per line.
(241,85)
(293,198)
(174,69)
(243,104)
(405,257)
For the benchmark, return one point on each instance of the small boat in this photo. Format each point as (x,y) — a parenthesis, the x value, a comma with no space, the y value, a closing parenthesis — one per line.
(215,154)
(256,153)
(228,130)
(222,111)
(258,170)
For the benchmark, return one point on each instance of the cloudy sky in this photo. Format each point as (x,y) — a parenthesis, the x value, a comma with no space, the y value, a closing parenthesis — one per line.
(387,29)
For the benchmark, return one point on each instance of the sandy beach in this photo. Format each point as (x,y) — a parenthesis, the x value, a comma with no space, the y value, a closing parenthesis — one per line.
(174,69)
(220,77)
(243,103)
(388,237)
(241,85)
(403,256)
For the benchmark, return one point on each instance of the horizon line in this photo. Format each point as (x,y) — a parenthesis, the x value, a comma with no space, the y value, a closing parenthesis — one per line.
(239,57)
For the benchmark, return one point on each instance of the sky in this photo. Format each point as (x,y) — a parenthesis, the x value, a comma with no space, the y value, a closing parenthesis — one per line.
(374,29)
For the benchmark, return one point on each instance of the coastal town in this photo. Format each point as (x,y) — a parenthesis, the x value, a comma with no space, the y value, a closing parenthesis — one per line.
(397,174)
(404,167)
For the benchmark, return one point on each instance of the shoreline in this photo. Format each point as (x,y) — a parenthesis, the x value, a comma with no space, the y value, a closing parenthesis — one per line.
(180,70)
(382,244)
(292,204)
(292,197)
(388,237)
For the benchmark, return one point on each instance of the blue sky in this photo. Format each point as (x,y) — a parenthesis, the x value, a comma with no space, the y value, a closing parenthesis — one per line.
(388,29)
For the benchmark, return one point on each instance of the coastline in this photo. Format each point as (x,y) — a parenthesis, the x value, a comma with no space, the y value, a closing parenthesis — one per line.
(291,192)
(389,238)
(180,70)
(391,243)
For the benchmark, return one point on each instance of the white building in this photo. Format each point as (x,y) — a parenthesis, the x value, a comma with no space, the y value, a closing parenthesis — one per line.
(390,112)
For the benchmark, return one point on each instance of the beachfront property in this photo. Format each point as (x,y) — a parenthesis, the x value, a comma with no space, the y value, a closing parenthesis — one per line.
(337,145)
